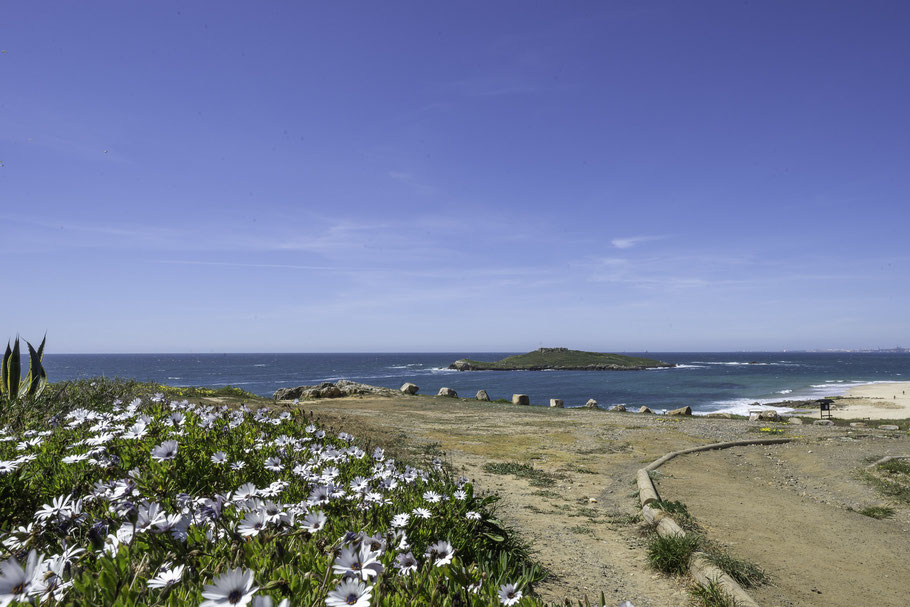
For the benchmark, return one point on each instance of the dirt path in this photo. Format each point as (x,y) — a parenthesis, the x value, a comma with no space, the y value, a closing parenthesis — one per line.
(579,520)
(794,510)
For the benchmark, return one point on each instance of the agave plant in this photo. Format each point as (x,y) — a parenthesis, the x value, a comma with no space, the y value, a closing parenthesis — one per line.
(12,386)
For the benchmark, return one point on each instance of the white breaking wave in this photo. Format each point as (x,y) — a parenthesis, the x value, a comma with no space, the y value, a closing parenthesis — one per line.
(788,391)
(742,406)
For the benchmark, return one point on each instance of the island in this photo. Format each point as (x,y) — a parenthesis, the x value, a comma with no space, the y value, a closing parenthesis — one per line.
(562,359)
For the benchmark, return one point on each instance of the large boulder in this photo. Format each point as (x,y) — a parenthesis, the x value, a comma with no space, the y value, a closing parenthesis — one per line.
(720,415)
(339,389)
(557,402)
(618,408)
(409,388)
(482,395)
(645,410)
(449,392)
(823,422)
(796,421)
(520,399)
(591,404)
(768,416)
(681,411)
(889,427)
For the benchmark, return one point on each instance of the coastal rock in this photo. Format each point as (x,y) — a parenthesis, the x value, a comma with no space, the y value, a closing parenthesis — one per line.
(823,422)
(645,410)
(618,408)
(339,389)
(681,411)
(857,425)
(767,416)
(482,395)
(557,402)
(449,392)
(796,421)
(720,415)
(520,399)
(409,388)
(591,404)
(889,427)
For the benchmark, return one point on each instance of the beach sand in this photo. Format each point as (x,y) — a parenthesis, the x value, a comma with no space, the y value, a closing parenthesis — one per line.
(888,400)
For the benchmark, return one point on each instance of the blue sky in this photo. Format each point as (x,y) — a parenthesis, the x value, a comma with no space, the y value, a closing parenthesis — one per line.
(429,176)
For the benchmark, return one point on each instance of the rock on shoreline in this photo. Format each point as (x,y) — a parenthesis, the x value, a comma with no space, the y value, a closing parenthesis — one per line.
(339,389)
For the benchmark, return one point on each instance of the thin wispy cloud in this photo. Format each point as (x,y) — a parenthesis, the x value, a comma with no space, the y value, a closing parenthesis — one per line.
(631,241)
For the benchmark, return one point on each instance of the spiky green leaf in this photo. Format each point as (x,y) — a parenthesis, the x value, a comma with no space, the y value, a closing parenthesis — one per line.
(36,371)
(13,368)
(4,371)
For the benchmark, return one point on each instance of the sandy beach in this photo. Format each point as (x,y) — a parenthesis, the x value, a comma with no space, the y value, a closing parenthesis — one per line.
(886,400)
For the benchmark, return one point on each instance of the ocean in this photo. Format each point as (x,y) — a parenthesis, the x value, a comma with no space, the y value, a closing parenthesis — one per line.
(708,382)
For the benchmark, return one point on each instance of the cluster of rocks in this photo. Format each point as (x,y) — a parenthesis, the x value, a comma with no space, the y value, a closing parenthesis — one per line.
(558,403)
(338,389)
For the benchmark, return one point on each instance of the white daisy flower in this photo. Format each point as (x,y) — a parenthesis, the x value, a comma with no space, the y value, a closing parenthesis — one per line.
(219,457)
(314,521)
(509,594)
(168,575)
(406,564)
(350,593)
(253,523)
(245,492)
(442,551)
(17,583)
(233,588)
(8,466)
(472,516)
(422,512)
(400,520)
(165,451)
(358,562)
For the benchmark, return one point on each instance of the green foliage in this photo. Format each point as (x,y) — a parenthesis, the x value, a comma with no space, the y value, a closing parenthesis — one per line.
(746,574)
(680,514)
(711,595)
(13,387)
(671,554)
(891,478)
(878,512)
(537,478)
(91,420)
(896,467)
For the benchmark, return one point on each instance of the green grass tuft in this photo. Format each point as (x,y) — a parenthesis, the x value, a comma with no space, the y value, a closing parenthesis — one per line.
(671,554)
(711,595)
(879,512)
(537,478)
(746,574)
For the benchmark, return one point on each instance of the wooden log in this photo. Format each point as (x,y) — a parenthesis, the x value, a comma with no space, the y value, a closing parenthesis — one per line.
(646,491)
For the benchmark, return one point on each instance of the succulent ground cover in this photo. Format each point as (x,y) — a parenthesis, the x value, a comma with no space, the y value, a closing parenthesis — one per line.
(146,500)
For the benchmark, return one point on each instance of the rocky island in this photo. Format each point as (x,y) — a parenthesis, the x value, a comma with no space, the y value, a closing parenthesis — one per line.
(563,359)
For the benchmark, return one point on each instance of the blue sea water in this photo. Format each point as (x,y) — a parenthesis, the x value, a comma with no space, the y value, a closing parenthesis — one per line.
(707,382)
